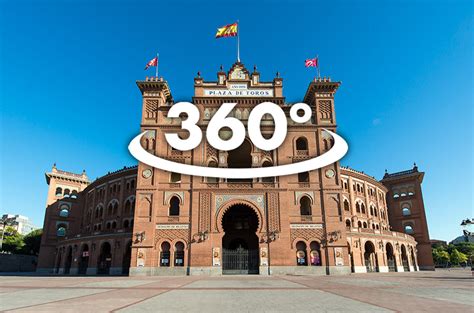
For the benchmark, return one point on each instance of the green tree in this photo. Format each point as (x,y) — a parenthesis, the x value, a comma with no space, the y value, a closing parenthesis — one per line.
(12,240)
(32,242)
(440,256)
(465,247)
(457,257)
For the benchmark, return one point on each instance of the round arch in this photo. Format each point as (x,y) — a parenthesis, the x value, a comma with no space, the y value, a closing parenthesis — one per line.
(174,194)
(304,194)
(226,206)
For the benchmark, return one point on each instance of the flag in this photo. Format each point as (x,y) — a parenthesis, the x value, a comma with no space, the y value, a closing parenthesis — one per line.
(311,62)
(153,62)
(227,31)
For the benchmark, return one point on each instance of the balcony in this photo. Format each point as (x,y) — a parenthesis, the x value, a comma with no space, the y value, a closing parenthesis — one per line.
(380,232)
(302,153)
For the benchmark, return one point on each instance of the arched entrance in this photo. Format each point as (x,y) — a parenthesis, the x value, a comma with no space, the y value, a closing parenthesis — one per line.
(240,242)
(370,258)
(105,259)
(406,267)
(84,260)
(392,267)
(127,256)
(67,266)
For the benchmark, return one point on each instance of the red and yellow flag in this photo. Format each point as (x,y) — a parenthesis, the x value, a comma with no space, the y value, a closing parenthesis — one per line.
(227,31)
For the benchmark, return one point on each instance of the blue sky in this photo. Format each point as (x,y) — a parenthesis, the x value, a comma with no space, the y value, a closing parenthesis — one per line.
(68,93)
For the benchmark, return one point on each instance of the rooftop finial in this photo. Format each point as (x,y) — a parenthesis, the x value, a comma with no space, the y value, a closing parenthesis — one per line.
(277,74)
(221,68)
(254,68)
(199,74)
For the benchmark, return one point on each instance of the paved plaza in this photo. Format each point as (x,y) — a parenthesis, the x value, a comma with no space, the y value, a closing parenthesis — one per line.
(443,291)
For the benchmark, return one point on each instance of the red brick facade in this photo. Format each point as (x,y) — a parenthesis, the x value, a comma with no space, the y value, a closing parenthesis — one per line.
(329,221)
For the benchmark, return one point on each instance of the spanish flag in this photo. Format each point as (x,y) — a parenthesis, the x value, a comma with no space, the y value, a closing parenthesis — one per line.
(227,31)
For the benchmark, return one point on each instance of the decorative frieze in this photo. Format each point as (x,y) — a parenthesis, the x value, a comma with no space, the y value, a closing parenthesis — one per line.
(257,199)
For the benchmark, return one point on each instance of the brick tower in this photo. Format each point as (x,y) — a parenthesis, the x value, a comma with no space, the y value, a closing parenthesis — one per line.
(407,211)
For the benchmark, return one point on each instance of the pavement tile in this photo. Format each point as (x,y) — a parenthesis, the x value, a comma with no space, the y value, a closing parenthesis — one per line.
(24,298)
(101,302)
(250,301)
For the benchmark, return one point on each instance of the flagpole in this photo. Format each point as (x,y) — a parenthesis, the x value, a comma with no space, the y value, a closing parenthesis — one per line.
(157,56)
(238,42)
(319,73)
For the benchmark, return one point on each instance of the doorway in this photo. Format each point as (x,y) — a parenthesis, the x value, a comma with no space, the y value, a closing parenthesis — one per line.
(240,242)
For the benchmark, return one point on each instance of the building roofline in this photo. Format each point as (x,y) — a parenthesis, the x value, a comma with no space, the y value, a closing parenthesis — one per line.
(363,175)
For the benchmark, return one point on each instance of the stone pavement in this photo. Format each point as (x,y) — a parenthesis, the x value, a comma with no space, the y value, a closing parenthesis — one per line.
(444,291)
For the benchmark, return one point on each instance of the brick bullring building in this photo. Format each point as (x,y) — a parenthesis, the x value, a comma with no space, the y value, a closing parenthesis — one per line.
(146,221)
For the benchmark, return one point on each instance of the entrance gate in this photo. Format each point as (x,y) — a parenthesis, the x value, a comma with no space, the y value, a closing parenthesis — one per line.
(240,261)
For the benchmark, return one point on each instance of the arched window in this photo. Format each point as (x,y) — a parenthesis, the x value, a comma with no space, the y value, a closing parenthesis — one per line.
(66,193)
(359,224)
(305,206)
(132,184)
(115,208)
(326,145)
(61,231)
(174,206)
(371,210)
(109,209)
(362,207)
(175,177)
(315,254)
(358,207)
(406,211)
(212,179)
(267,179)
(365,225)
(64,212)
(240,157)
(114,224)
(127,207)
(125,224)
(74,194)
(409,229)
(179,254)
(348,223)
(165,254)
(346,205)
(396,195)
(301,254)
(59,191)
(107,225)
(301,143)
(303,177)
